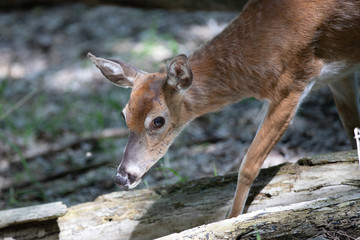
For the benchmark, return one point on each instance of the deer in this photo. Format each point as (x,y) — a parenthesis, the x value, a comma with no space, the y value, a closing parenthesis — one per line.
(274,50)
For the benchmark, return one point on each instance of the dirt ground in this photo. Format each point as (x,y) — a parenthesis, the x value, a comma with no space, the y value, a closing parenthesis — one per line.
(51,94)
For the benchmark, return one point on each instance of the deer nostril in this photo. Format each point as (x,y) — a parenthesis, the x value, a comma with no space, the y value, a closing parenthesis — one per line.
(131,178)
(122,180)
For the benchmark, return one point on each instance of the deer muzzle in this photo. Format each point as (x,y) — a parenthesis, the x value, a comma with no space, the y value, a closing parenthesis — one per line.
(125,179)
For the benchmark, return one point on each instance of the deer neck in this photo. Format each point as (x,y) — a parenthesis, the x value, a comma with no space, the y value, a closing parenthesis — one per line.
(214,85)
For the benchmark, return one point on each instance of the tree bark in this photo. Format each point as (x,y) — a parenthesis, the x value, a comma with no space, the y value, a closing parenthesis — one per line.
(315,198)
(224,5)
(305,220)
(37,222)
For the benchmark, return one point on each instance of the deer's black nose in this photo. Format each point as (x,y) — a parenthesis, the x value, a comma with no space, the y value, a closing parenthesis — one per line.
(124,179)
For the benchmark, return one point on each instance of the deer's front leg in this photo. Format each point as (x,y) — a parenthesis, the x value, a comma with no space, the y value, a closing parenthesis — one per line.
(275,123)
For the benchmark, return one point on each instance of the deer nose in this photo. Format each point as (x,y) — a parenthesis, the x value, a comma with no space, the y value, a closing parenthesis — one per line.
(124,179)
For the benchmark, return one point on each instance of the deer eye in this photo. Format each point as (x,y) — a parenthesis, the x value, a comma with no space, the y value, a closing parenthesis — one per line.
(158,122)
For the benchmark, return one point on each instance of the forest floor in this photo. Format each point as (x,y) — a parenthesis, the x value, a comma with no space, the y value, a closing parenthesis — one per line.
(51,95)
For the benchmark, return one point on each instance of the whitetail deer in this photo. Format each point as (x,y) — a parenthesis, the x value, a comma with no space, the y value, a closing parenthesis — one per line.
(276,50)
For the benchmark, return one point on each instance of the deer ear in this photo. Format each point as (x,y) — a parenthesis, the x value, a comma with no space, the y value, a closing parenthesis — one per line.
(179,73)
(119,73)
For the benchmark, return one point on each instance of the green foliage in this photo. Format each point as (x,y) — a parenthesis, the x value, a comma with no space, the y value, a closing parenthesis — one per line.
(12,198)
(257,234)
(35,189)
(165,171)
(215,170)
(2,87)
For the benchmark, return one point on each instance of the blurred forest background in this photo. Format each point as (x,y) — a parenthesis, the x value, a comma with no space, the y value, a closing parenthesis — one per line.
(57,111)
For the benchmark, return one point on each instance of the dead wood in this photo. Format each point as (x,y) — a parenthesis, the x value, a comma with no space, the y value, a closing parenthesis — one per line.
(289,201)
(61,146)
(36,222)
(314,198)
(304,220)
(49,149)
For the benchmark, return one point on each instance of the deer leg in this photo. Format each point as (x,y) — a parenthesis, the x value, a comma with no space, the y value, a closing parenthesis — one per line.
(346,97)
(275,123)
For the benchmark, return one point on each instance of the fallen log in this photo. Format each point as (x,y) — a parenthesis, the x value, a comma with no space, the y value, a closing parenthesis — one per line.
(316,198)
(36,222)
(304,220)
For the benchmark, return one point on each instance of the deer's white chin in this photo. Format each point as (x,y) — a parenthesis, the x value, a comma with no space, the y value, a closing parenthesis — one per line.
(134,184)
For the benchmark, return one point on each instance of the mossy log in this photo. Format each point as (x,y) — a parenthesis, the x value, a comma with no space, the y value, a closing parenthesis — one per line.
(322,196)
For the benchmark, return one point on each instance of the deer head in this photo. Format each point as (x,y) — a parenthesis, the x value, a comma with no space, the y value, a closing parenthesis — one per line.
(153,114)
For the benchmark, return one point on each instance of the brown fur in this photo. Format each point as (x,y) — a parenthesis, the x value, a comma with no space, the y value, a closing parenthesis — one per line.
(143,97)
